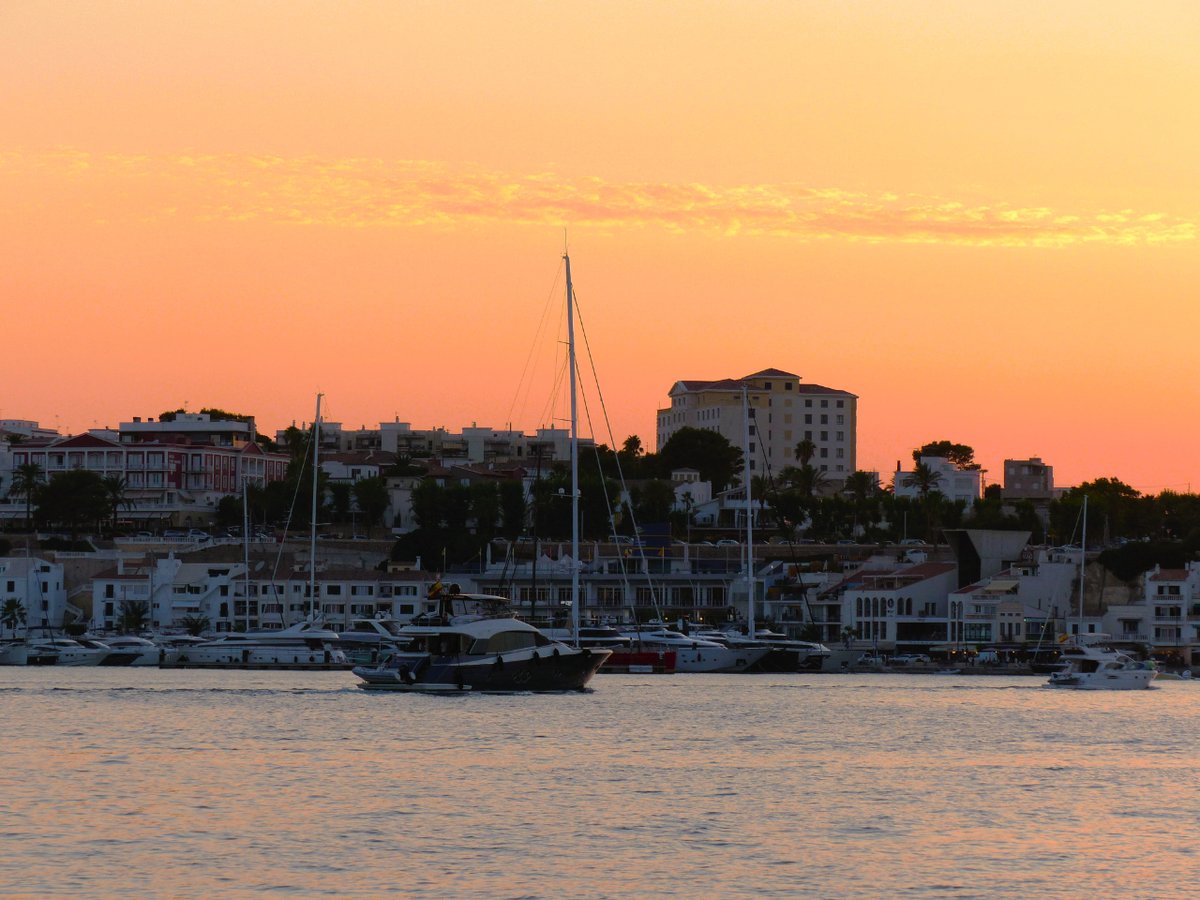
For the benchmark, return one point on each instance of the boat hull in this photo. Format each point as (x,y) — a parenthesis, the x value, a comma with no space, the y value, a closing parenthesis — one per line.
(1134,680)
(504,673)
(640,662)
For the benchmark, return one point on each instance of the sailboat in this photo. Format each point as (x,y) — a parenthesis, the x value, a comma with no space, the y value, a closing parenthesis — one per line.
(308,644)
(474,642)
(1091,664)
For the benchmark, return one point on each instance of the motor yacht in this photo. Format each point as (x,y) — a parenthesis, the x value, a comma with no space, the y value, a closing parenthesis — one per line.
(305,645)
(1092,665)
(474,643)
(69,652)
(142,651)
(19,653)
(114,657)
(791,655)
(694,653)
(624,657)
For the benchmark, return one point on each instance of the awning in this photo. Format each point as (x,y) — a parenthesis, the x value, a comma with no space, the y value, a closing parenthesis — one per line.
(1002,587)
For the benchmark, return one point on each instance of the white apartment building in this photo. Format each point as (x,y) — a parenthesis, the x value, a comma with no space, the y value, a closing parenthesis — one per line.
(784,411)
(1022,605)
(900,607)
(221,592)
(952,482)
(1167,616)
(39,587)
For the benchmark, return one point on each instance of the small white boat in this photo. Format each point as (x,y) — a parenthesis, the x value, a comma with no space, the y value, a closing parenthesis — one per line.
(1093,666)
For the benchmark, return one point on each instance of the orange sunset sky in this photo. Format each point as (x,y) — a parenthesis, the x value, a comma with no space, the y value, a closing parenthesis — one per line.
(979,217)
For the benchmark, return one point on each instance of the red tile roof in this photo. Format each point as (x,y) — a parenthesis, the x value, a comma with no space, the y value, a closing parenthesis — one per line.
(1170,575)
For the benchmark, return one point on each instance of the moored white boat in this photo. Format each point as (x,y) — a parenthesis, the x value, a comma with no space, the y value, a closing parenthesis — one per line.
(143,652)
(69,652)
(306,645)
(697,654)
(18,653)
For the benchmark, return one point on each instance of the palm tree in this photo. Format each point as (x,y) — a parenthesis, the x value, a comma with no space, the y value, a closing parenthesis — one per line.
(134,614)
(862,487)
(12,614)
(806,479)
(114,488)
(924,479)
(805,451)
(195,624)
(27,481)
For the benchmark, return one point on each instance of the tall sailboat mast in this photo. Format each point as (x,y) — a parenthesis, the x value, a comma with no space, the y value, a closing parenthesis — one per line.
(575,600)
(312,530)
(746,409)
(1082,564)
(246,543)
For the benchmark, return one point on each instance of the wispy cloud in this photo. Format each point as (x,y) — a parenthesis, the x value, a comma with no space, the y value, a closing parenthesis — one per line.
(376,193)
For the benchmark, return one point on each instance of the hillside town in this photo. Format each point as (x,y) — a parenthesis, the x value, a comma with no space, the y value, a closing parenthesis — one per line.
(188,521)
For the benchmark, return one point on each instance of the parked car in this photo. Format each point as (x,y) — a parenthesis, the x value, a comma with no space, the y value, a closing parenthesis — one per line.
(198,534)
(174,534)
(910,659)
(728,542)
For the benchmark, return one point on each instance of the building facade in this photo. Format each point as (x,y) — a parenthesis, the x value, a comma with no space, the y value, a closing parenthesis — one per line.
(1028,479)
(952,482)
(784,411)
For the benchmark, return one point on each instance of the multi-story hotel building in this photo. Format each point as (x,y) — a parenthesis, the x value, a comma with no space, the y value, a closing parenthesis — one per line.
(174,471)
(784,412)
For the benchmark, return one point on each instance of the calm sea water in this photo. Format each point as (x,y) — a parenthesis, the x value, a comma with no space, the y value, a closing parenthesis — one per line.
(181,783)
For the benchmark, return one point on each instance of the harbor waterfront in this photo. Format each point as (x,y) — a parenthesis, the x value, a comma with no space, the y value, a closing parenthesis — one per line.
(190,783)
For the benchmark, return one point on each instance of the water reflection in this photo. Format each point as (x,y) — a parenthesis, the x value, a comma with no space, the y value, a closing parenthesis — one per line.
(189,783)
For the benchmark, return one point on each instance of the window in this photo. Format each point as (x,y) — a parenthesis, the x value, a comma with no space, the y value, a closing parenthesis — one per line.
(808,419)
(841,420)
(824,435)
(824,404)
(824,453)
(841,435)
(841,403)
(808,435)
(808,403)
(824,419)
